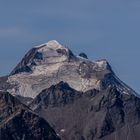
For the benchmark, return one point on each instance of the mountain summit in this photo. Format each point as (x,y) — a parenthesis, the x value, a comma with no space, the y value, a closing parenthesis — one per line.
(81,99)
(50,63)
(48,53)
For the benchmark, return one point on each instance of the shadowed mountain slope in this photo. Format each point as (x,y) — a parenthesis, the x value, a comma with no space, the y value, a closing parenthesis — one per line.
(93,115)
(17,121)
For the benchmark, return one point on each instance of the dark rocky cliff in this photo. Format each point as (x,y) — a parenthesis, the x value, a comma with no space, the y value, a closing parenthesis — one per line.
(94,115)
(18,122)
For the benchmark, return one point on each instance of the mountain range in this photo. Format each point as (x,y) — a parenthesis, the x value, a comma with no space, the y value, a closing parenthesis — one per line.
(54,94)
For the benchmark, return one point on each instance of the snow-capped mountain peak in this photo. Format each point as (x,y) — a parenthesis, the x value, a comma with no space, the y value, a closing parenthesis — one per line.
(50,63)
(52,48)
(70,87)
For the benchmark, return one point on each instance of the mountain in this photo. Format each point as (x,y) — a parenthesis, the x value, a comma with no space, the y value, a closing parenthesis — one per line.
(19,122)
(81,99)
(50,63)
(92,115)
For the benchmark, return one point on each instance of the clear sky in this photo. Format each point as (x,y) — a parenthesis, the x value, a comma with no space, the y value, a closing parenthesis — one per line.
(102,28)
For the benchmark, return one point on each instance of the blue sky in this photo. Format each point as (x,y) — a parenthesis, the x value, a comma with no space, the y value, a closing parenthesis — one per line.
(102,28)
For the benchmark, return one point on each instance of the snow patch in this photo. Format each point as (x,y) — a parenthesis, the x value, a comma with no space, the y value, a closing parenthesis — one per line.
(62,130)
(102,63)
(53,44)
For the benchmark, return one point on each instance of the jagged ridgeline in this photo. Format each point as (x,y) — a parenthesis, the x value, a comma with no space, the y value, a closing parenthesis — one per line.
(80,99)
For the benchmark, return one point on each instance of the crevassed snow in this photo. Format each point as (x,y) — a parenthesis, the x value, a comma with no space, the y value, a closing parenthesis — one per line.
(43,76)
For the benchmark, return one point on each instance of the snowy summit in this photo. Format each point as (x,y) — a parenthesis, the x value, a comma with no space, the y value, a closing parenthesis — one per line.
(51,63)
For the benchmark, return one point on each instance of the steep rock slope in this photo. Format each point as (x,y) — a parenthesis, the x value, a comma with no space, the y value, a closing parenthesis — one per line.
(94,115)
(18,122)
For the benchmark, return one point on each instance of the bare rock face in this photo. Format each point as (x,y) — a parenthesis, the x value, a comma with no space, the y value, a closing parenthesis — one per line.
(24,100)
(48,64)
(4,84)
(94,115)
(18,122)
(56,96)
(83,55)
